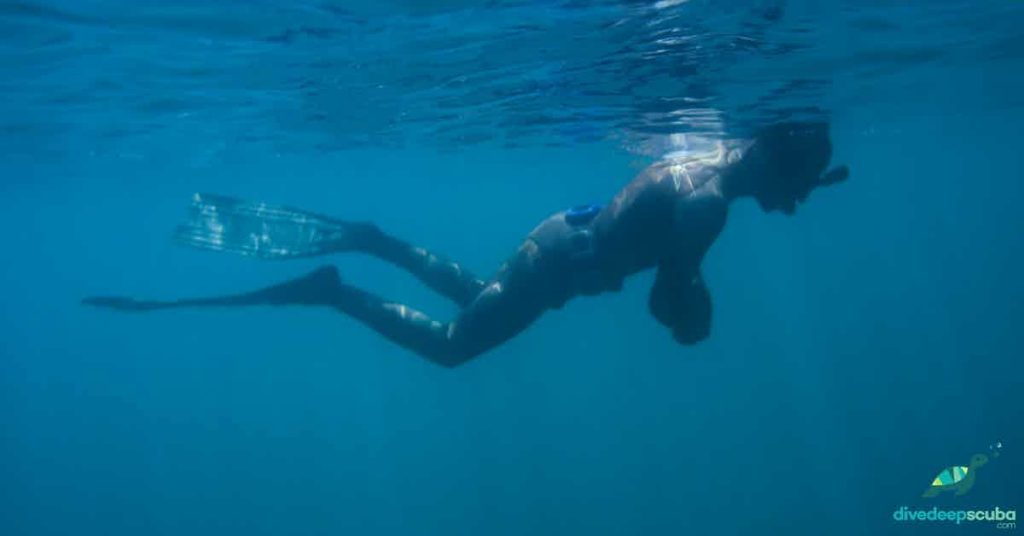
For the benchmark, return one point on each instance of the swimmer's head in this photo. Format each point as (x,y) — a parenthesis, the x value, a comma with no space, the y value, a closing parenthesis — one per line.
(788,161)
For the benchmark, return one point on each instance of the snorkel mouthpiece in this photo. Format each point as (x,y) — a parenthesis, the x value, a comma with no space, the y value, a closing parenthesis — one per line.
(834,176)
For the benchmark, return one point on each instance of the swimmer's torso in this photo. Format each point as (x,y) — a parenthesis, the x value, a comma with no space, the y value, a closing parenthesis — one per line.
(638,230)
(647,219)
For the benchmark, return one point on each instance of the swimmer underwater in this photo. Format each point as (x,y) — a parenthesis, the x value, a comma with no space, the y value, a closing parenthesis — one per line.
(666,218)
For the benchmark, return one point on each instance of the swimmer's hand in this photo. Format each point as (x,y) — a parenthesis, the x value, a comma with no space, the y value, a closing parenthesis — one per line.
(683,307)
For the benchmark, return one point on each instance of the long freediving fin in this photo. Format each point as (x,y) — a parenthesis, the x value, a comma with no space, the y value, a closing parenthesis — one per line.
(256,229)
(320,287)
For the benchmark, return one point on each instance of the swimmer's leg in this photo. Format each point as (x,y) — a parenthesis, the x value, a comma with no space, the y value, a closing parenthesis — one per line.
(443,275)
(491,319)
(256,229)
(504,307)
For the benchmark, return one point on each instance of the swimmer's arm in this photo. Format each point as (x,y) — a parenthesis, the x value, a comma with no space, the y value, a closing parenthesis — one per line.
(681,303)
(680,300)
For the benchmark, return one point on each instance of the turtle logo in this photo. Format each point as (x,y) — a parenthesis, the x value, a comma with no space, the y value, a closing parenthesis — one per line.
(960,478)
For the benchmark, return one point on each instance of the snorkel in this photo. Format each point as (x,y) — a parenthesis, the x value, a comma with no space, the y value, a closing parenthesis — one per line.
(833,176)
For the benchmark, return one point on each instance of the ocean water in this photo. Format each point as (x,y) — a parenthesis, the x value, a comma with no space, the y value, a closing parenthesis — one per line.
(858,347)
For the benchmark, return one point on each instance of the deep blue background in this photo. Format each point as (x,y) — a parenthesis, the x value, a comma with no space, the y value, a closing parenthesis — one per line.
(858,348)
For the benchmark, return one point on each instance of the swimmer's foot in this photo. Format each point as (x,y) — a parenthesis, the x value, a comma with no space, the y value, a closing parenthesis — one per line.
(255,229)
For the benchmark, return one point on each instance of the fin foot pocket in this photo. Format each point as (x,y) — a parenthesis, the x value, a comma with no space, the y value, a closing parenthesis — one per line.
(120,303)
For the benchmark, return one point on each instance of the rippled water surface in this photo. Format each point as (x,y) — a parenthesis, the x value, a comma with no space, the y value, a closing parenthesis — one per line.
(303,76)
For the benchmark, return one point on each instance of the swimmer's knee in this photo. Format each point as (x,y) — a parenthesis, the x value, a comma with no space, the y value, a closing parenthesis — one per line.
(459,347)
(451,360)
(458,353)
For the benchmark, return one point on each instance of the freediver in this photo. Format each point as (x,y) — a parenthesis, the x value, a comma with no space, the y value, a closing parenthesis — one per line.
(665,218)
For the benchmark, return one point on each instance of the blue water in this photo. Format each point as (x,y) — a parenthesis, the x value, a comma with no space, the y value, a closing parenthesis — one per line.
(858,347)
